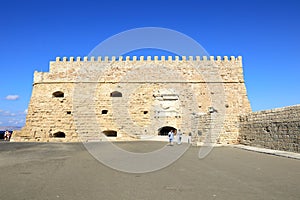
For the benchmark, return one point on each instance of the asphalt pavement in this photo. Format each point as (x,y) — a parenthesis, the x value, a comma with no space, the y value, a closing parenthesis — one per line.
(68,171)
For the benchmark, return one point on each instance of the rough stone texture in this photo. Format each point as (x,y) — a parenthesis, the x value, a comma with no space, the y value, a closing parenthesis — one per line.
(76,98)
(277,129)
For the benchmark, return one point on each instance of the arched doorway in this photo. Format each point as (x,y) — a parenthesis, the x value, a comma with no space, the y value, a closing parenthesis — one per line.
(165,130)
(59,135)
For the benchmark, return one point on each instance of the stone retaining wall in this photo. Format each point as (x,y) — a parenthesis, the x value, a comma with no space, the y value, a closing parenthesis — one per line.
(274,129)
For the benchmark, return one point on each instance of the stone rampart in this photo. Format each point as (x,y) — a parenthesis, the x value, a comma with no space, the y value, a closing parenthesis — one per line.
(277,129)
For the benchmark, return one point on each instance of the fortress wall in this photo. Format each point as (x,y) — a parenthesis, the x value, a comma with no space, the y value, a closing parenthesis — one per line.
(48,115)
(274,129)
(88,83)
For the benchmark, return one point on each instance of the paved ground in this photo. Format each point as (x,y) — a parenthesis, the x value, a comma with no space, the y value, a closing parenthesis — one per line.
(68,171)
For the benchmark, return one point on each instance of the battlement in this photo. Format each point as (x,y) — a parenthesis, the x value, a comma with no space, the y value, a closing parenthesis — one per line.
(148,58)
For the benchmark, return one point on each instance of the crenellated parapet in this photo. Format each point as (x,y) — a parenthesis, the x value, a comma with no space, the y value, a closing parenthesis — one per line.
(71,68)
(148,58)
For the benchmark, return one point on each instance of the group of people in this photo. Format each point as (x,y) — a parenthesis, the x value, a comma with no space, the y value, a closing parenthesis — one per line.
(178,136)
(7,135)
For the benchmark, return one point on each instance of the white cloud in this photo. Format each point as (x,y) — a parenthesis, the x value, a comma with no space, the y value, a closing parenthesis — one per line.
(25,111)
(7,114)
(9,118)
(12,97)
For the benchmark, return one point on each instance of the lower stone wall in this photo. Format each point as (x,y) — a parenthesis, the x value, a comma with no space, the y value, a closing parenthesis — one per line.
(274,129)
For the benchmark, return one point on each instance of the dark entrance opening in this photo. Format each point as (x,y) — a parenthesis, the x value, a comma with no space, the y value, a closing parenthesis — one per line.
(104,112)
(58,94)
(165,130)
(116,94)
(110,133)
(59,135)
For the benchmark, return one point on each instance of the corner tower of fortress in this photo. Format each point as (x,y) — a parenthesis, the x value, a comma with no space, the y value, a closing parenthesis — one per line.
(132,97)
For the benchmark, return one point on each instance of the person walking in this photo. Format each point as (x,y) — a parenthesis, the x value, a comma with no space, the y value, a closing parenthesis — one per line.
(179,136)
(7,135)
(171,137)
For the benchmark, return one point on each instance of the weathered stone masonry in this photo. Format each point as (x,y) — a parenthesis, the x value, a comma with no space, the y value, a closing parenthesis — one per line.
(274,129)
(131,97)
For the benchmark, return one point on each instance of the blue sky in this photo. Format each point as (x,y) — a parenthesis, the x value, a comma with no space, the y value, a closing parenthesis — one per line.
(266,33)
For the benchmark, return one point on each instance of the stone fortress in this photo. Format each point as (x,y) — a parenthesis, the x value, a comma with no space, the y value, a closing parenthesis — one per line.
(131,98)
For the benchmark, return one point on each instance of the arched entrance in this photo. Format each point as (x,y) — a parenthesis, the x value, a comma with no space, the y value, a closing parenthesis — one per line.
(59,135)
(165,130)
